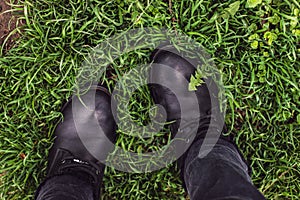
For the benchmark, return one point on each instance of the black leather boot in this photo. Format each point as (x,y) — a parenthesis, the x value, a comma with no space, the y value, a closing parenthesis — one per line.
(69,154)
(201,111)
(178,75)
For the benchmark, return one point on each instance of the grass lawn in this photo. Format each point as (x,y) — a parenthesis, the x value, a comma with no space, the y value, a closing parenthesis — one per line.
(254,43)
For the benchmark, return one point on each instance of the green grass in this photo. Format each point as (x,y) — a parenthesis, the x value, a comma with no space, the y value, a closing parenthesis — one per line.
(261,78)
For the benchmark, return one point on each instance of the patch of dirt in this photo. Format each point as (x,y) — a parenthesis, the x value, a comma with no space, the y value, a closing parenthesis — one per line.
(8,22)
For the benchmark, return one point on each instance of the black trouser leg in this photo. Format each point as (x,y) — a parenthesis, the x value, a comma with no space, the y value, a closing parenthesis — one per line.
(221,174)
(65,187)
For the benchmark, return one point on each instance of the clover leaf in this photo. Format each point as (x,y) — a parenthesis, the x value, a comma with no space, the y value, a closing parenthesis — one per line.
(253,3)
(232,9)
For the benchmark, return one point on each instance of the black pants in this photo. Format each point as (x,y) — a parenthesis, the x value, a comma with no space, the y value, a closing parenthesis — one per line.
(221,174)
